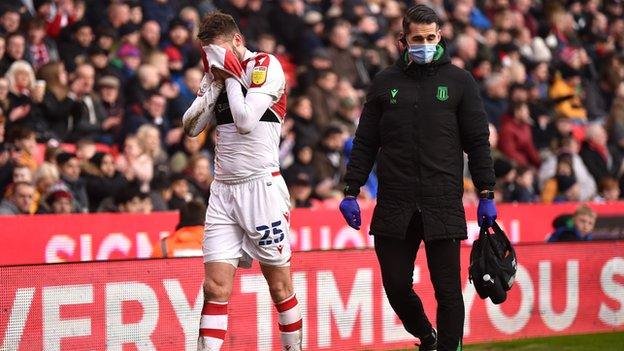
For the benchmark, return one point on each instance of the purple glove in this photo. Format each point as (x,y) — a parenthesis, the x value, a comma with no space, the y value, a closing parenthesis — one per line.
(486,212)
(351,212)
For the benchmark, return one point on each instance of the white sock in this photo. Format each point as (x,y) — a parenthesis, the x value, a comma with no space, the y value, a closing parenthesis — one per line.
(290,323)
(212,326)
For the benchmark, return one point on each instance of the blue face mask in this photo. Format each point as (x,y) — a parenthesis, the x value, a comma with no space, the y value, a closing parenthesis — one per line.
(422,53)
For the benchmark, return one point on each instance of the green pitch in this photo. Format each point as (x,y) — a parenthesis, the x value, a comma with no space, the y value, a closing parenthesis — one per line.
(590,342)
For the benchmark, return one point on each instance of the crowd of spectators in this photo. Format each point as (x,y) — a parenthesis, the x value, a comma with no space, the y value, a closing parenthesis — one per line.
(92,93)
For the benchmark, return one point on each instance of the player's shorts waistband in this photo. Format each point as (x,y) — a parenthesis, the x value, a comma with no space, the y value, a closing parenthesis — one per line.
(274,173)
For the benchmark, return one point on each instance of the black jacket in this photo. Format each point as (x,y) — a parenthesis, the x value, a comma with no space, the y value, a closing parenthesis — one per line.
(417,122)
(597,166)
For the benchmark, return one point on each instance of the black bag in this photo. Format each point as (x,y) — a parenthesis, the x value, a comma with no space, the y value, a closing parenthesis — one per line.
(492,264)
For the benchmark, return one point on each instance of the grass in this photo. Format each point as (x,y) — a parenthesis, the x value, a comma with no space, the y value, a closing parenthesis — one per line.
(589,342)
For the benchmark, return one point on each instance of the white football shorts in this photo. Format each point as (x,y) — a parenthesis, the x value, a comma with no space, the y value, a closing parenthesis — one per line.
(248,220)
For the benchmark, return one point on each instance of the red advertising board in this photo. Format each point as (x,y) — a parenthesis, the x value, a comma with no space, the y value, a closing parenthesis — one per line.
(81,237)
(563,288)
(72,238)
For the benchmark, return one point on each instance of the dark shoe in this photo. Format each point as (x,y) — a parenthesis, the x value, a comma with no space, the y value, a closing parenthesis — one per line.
(429,342)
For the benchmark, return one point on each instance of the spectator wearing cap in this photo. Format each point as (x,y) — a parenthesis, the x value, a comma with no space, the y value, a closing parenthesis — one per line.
(149,40)
(15,51)
(69,167)
(57,107)
(323,97)
(301,191)
(328,162)
(548,169)
(563,186)
(601,160)
(20,202)
(175,62)
(58,201)
(102,179)
(41,49)
(188,238)
(108,90)
(347,114)
(75,50)
(312,37)
(129,34)
(130,57)
(99,59)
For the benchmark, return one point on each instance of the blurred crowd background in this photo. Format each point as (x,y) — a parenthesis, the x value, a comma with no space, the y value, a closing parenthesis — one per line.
(92,93)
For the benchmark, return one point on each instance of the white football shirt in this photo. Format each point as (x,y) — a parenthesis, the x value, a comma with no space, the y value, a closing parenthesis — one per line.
(253,151)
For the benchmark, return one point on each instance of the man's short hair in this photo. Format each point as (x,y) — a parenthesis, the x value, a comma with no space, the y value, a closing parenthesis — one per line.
(216,24)
(17,185)
(584,210)
(420,14)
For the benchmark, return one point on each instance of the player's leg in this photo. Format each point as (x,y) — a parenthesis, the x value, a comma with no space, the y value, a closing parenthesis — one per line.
(263,211)
(396,260)
(443,260)
(286,304)
(218,281)
(222,248)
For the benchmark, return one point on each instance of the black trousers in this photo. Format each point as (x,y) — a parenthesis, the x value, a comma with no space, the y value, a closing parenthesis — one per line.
(396,259)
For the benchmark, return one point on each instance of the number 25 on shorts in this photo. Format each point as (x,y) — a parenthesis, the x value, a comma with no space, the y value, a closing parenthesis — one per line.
(278,234)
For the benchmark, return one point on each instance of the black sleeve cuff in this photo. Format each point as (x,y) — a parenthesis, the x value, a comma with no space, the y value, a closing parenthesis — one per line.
(351,190)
